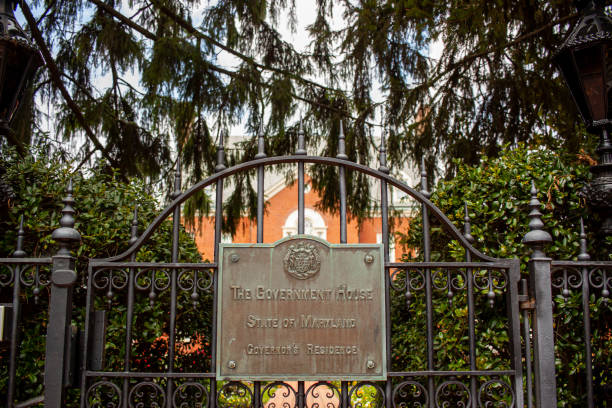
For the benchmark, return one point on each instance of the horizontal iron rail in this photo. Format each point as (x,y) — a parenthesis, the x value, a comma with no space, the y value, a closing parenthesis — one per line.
(475,265)
(153,265)
(607,264)
(140,374)
(26,261)
(429,373)
(459,373)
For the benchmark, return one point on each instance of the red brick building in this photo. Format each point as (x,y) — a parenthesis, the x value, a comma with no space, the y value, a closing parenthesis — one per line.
(281,219)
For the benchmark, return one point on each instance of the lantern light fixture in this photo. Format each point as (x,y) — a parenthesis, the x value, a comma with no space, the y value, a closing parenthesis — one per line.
(585,60)
(19,60)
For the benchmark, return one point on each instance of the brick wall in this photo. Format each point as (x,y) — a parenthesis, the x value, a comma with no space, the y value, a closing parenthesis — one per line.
(278,209)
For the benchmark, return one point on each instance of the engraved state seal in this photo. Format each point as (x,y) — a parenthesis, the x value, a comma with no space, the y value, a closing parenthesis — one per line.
(302,260)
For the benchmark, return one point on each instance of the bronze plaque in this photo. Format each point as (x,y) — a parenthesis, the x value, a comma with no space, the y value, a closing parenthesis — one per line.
(301,309)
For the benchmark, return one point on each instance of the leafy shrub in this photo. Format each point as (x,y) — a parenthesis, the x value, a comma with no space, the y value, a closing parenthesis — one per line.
(104,207)
(497,194)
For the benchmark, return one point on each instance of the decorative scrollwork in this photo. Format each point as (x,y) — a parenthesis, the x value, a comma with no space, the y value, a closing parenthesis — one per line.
(322,394)
(410,394)
(412,281)
(110,280)
(397,281)
(445,280)
(601,278)
(147,394)
(453,393)
(103,394)
(486,280)
(190,395)
(566,279)
(36,278)
(366,394)
(279,394)
(7,273)
(195,281)
(495,393)
(153,280)
(234,394)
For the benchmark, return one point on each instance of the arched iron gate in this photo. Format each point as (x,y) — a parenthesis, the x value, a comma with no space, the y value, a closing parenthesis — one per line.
(435,381)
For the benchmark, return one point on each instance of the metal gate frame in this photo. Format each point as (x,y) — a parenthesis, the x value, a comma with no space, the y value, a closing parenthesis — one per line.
(399,383)
(429,387)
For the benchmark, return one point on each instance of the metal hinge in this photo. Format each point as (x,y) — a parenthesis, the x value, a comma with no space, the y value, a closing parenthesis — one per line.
(526,303)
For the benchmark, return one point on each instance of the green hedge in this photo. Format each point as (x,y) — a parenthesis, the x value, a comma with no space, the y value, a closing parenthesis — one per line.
(497,193)
(104,207)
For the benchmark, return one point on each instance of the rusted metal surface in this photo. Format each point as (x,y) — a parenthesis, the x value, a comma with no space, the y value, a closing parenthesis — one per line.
(301,309)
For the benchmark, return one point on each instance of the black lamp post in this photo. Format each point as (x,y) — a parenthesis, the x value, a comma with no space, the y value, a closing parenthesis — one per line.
(19,59)
(585,59)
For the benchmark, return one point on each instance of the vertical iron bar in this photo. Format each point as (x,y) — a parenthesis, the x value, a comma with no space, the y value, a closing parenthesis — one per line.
(584,256)
(384,214)
(470,300)
(514,328)
(301,151)
(16,311)
(543,332)
(176,222)
(526,330)
(428,284)
(342,181)
(63,278)
(88,312)
(261,153)
(129,320)
(218,224)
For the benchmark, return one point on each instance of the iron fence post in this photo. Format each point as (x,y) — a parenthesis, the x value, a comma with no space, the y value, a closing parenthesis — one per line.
(541,290)
(63,278)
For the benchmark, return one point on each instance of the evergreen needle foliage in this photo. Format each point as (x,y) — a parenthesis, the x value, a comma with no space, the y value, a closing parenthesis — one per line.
(493,84)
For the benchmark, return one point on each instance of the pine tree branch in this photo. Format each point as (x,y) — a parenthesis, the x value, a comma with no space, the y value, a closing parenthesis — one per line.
(516,41)
(154,37)
(198,34)
(57,80)
(469,58)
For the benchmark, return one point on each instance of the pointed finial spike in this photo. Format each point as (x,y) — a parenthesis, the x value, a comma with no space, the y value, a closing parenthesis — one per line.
(261,142)
(19,252)
(220,154)
(221,141)
(177,179)
(383,155)
(583,255)
(301,150)
(467,231)
(536,238)
(424,189)
(66,235)
(134,229)
(341,144)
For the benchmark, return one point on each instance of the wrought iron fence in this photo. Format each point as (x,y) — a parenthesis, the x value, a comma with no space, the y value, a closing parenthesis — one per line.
(443,368)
